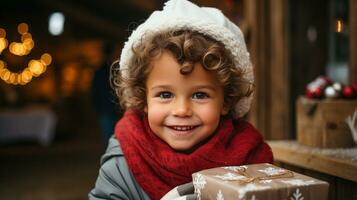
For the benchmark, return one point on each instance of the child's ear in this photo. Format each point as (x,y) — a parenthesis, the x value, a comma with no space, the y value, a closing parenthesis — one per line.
(146,109)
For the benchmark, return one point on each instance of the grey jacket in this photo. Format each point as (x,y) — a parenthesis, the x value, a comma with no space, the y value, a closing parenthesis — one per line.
(115,181)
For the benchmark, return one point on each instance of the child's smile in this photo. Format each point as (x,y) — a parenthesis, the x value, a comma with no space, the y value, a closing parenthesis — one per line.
(182,128)
(181,131)
(183,110)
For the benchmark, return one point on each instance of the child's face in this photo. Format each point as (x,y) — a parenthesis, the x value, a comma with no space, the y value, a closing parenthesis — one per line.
(183,110)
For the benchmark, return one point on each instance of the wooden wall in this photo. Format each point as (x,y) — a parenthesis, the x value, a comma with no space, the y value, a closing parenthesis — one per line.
(268,44)
(286,58)
(353,41)
(308,56)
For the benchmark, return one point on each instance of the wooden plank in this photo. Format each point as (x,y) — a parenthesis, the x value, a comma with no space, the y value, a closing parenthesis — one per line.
(268,44)
(250,13)
(353,42)
(279,71)
(258,29)
(321,123)
(250,10)
(337,162)
(262,69)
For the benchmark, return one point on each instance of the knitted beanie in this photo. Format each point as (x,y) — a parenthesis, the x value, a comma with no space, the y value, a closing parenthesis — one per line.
(184,15)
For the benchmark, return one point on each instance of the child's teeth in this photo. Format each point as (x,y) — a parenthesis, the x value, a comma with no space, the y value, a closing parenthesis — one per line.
(183,128)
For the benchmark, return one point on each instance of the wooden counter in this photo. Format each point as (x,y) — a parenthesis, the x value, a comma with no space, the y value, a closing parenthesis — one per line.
(336,162)
(336,166)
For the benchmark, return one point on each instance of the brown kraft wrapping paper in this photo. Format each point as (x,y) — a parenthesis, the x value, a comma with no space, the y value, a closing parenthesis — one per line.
(257,182)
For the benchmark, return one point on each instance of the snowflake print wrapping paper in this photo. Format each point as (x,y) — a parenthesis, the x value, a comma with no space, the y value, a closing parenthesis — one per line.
(257,182)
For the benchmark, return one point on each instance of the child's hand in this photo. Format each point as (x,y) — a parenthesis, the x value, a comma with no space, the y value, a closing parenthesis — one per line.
(181,192)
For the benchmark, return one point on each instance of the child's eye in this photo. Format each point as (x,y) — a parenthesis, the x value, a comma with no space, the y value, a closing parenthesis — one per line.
(165,95)
(200,95)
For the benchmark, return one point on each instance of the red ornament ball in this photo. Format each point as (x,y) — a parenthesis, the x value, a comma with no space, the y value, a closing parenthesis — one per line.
(348,92)
(316,92)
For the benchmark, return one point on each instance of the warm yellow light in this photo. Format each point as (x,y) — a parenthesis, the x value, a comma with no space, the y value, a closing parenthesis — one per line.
(22,28)
(3,44)
(44,69)
(339,26)
(36,67)
(69,74)
(2,64)
(26,36)
(17,49)
(18,79)
(12,48)
(2,33)
(5,74)
(21,49)
(46,58)
(26,76)
(12,78)
(28,44)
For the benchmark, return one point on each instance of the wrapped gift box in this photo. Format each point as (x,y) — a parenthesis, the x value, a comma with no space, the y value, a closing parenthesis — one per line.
(322,123)
(257,182)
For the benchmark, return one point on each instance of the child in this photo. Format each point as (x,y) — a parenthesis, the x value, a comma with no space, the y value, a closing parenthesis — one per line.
(185,80)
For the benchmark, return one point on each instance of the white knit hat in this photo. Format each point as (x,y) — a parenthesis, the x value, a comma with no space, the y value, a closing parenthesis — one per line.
(184,15)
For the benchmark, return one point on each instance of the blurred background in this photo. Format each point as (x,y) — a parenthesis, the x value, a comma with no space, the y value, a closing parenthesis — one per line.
(56,106)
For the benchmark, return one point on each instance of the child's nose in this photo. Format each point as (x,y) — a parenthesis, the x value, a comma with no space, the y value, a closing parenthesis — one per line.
(182,108)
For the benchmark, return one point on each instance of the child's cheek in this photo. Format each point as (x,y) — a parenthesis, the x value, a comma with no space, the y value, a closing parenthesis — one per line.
(156,112)
(209,114)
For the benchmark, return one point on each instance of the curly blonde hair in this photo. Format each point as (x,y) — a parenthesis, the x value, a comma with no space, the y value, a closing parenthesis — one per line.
(188,47)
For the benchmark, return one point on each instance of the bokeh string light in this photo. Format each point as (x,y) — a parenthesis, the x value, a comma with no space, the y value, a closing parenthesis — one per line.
(3,41)
(34,68)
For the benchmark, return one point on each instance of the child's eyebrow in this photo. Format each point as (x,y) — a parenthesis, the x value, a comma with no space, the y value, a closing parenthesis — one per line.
(196,87)
(156,87)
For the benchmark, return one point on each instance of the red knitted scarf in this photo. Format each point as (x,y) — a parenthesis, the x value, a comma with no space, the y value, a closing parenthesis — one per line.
(158,168)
